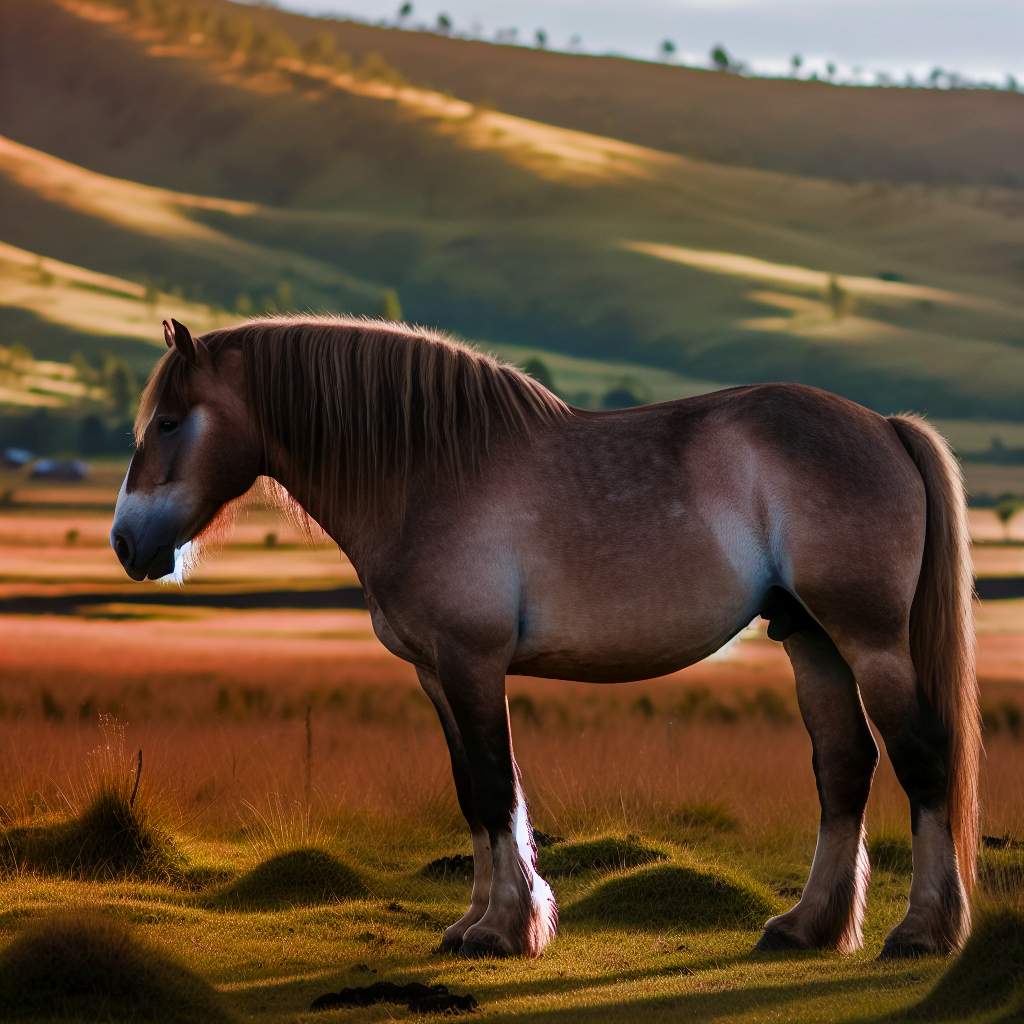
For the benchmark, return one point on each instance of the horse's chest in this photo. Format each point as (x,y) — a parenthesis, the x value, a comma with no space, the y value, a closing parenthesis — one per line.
(401,647)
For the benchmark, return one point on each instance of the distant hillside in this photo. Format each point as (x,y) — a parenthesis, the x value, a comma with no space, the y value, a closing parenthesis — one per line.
(807,128)
(172,167)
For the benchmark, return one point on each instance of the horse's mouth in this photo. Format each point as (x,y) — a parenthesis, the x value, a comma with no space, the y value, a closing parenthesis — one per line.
(162,563)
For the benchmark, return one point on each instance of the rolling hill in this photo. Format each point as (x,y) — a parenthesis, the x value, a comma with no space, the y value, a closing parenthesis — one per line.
(859,262)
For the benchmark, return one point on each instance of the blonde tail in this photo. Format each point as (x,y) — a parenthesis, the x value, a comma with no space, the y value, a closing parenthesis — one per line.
(942,628)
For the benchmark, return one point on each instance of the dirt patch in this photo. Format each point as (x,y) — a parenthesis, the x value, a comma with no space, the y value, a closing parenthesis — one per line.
(417,997)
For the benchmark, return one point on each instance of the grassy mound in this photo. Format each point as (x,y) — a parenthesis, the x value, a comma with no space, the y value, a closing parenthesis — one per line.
(292,879)
(607,853)
(891,853)
(82,969)
(987,975)
(110,839)
(676,896)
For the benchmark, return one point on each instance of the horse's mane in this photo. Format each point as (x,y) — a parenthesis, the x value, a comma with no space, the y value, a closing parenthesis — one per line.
(364,403)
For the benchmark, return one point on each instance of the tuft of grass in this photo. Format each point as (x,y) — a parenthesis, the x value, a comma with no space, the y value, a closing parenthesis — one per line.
(294,878)
(605,853)
(705,818)
(986,976)
(110,839)
(686,897)
(1002,873)
(891,853)
(89,969)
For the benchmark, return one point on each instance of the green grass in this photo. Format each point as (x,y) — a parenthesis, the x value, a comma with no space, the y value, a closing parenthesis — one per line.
(109,839)
(293,878)
(665,942)
(988,975)
(94,969)
(607,853)
(683,897)
(891,853)
(253,937)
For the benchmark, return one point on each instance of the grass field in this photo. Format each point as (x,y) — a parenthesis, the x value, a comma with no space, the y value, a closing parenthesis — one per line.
(709,769)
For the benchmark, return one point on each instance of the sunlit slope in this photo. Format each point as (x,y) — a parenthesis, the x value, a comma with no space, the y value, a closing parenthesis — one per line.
(507,230)
(807,128)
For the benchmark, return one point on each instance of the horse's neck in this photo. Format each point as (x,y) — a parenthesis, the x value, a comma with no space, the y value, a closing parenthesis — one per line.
(354,535)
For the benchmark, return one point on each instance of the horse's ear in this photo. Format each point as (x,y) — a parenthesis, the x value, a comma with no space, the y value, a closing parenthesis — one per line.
(177,336)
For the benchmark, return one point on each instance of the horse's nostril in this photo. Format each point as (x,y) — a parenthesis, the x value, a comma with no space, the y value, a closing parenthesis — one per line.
(122,549)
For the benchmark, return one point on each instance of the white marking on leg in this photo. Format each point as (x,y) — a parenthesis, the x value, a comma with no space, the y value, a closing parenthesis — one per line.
(936,878)
(839,851)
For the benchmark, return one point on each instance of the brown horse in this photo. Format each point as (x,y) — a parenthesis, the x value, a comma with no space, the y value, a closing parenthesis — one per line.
(496,530)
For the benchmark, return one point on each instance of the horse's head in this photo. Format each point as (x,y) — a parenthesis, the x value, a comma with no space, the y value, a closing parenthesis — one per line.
(196,450)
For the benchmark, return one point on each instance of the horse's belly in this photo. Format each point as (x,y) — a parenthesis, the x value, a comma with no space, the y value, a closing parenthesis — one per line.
(625,644)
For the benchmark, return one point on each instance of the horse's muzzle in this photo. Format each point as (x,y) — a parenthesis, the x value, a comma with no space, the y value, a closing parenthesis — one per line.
(141,562)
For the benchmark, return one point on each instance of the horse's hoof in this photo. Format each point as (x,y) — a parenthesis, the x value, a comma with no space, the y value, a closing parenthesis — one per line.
(896,948)
(451,942)
(478,942)
(776,941)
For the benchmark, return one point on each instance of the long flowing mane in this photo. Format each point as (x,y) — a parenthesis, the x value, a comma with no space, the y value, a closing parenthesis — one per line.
(362,404)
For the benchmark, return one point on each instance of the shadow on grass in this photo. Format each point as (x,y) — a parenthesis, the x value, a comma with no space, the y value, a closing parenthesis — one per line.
(85,969)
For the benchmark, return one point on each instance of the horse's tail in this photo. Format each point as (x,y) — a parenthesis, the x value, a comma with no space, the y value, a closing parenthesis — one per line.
(942,628)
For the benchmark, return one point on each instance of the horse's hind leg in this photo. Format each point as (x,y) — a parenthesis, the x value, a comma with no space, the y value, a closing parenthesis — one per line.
(521,916)
(831,909)
(451,941)
(938,915)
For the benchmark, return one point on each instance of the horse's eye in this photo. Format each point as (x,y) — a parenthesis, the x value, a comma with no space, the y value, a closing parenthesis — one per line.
(167,426)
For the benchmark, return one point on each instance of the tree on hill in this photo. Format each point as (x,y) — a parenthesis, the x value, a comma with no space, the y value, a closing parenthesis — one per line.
(404,13)
(622,396)
(837,297)
(444,24)
(720,58)
(1006,509)
(391,307)
(540,372)
(320,49)
(120,383)
(667,49)
(376,68)
(796,62)
(540,38)
(235,34)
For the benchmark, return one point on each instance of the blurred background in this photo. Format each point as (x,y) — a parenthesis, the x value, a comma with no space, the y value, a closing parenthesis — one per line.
(633,202)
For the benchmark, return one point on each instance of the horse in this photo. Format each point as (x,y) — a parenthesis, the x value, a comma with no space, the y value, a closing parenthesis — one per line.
(497,530)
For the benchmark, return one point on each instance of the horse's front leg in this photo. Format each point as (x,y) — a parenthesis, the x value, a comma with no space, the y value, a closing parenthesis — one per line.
(521,915)
(451,941)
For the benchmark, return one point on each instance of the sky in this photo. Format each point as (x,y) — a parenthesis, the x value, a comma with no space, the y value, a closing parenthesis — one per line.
(979,38)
